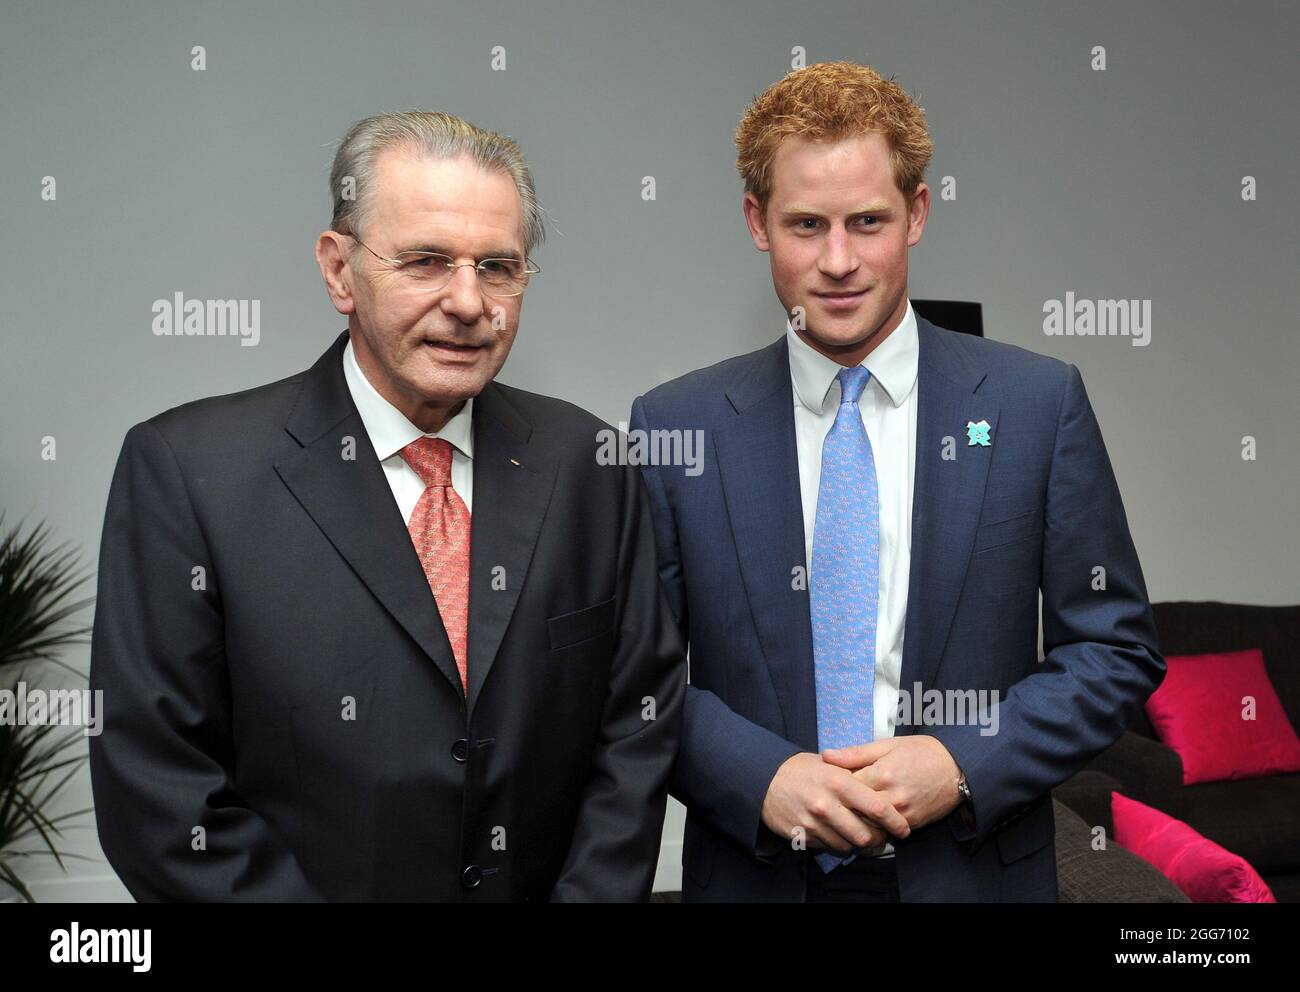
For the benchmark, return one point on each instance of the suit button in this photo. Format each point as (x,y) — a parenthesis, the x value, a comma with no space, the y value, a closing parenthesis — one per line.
(471,876)
(460,750)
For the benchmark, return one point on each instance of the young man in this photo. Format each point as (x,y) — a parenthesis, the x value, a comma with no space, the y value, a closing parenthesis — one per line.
(881,502)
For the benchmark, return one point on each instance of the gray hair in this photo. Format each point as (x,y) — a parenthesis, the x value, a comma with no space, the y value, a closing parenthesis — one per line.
(433,134)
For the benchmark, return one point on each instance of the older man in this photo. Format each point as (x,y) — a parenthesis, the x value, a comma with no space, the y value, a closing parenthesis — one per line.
(386,629)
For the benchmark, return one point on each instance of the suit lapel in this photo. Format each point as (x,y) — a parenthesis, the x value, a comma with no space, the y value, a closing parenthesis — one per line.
(513,482)
(352,503)
(947,498)
(759,466)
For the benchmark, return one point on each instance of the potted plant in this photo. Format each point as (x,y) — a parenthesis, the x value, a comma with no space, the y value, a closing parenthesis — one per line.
(36,610)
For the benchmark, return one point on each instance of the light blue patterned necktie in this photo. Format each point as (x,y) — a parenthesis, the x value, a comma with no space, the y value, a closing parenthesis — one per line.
(845,580)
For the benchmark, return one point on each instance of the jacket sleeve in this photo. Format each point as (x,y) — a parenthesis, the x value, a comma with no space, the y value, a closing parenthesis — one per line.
(1101,655)
(726,762)
(171,821)
(615,845)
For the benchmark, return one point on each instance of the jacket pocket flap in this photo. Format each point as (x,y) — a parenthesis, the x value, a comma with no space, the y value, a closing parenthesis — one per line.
(591,621)
(1008,531)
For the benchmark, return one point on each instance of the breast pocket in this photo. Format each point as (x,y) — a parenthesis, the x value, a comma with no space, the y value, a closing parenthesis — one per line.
(569,629)
(1009,530)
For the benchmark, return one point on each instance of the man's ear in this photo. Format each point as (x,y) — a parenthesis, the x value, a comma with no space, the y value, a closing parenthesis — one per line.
(756,221)
(332,255)
(918,212)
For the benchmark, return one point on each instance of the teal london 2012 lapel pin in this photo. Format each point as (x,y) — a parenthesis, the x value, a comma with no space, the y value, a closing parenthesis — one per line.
(978,433)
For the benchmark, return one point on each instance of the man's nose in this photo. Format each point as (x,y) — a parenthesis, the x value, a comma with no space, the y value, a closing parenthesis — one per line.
(837,260)
(463,299)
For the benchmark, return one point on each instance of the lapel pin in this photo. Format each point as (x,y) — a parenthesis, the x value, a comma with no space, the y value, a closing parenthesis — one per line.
(978,433)
(513,462)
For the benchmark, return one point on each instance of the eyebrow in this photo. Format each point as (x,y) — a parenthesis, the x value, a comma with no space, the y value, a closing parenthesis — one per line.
(876,209)
(509,253)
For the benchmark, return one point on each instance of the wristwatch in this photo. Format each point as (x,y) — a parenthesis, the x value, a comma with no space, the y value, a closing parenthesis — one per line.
(965,808)
(963,790)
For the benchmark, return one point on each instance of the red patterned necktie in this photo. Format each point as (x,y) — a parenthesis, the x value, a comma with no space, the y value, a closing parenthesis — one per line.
(440,531)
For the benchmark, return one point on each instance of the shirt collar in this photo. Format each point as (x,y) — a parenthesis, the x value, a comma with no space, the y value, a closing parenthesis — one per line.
(892,363)
(388,427)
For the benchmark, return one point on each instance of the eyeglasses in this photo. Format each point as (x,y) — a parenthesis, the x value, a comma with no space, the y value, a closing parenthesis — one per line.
(502,277)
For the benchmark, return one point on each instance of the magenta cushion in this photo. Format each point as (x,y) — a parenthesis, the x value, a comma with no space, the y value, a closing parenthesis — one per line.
(1201,868)
(1198,710)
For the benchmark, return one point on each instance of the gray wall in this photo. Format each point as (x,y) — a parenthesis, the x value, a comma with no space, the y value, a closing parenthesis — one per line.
(1123,183)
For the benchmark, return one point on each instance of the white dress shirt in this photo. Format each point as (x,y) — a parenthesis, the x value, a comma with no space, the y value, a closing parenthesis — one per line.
(888,408)
(390,432)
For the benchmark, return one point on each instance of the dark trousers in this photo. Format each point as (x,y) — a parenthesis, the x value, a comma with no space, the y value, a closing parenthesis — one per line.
(861,880)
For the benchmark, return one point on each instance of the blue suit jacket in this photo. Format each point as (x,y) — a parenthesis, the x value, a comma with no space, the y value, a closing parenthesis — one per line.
(1037,509)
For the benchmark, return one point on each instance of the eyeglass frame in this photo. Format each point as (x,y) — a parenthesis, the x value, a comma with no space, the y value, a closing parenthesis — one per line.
(531,268)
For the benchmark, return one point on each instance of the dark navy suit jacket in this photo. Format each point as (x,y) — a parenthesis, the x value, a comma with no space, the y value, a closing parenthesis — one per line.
(1036,510)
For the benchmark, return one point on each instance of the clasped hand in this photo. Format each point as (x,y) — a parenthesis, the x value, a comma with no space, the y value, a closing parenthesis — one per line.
(858,797)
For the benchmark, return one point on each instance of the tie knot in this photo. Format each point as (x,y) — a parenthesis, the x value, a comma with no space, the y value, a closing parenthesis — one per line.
(852,382)
(431,459)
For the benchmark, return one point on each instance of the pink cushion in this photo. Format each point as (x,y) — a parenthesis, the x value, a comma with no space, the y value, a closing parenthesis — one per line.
(1201,868)
(1198,710)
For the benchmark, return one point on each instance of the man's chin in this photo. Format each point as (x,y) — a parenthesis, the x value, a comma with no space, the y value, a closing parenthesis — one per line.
(452,382)
(836,338)
(453,390)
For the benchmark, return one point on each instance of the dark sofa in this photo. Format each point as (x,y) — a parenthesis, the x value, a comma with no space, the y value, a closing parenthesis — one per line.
(1257,818)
